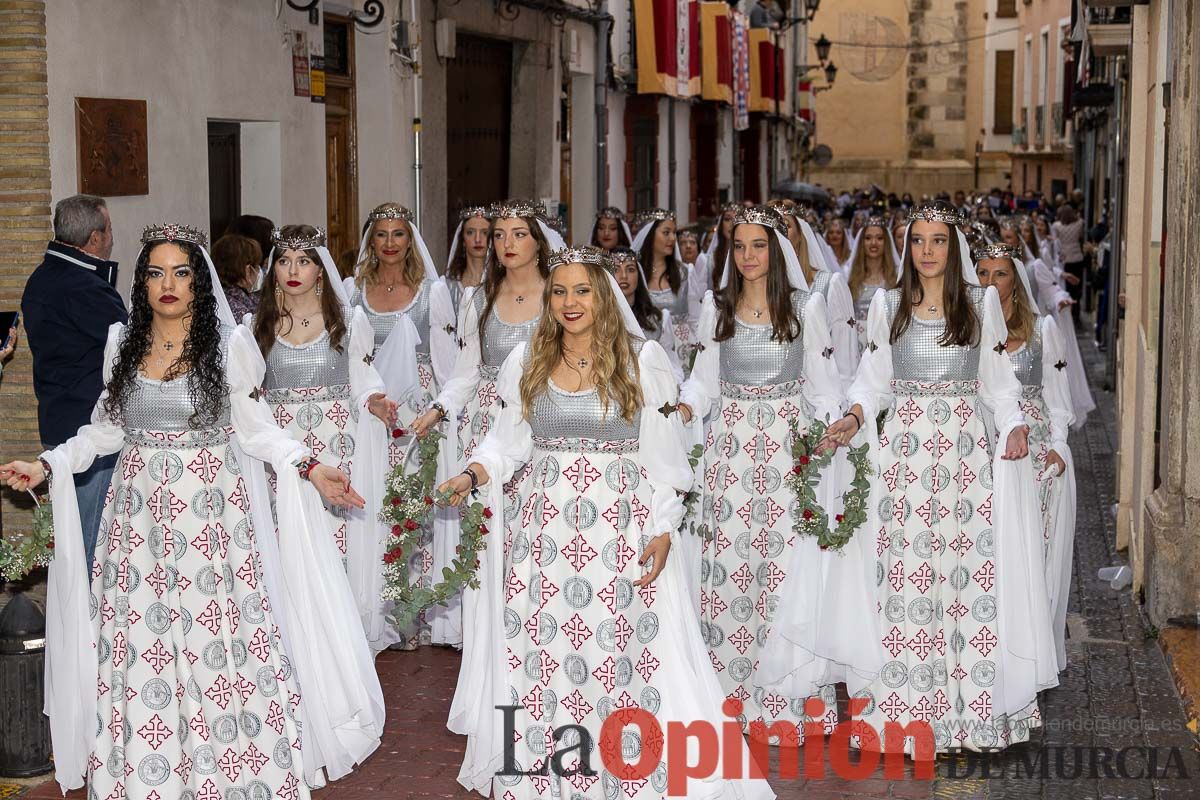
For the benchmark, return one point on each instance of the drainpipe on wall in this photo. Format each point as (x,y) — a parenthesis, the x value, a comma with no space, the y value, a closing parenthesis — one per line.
(603,27)
(416,123)
(671,154)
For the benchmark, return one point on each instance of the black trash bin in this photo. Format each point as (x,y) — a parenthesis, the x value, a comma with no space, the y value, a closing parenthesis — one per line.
(24,730)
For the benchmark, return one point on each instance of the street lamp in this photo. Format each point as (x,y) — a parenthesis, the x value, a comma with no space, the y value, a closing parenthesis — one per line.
(823,46)
(830,76)
(810,11)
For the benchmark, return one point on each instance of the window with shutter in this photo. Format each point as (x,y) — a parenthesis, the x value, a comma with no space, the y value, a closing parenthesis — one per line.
(1003,94)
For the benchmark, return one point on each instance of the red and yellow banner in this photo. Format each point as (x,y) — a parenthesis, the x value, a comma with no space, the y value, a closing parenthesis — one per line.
(766,79)
(668,47)
(716,52)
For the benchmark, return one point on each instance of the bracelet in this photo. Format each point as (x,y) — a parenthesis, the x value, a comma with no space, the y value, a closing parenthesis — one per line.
(470,473)
(441,409)
(857,419)
(306,467)
(47,469)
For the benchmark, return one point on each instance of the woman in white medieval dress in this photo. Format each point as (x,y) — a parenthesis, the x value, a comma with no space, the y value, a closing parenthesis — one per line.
(963,613)
(582,615)
(610,230)
(409,309)
(654,321)
(874,264)
(673,285)
(765,365)
(319,378)
(210,642)
(1036,351)
(468,253)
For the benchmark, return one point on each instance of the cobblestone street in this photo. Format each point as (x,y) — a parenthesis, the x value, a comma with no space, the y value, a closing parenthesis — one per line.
(1117,694)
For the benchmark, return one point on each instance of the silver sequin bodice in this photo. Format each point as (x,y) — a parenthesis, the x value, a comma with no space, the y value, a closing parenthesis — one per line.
(917,356)
(862,304)
(292,366)
(382,322)
(1027,362)
(820,283)
(499,337)
(165,405)
(558,415)
(677,304)
(751,357)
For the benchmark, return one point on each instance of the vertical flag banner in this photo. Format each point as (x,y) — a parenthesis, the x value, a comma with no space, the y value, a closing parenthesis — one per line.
(741,70)
(716,52)
(667,32)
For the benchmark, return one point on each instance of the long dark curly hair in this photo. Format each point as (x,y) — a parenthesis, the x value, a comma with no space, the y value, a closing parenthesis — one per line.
(202,359)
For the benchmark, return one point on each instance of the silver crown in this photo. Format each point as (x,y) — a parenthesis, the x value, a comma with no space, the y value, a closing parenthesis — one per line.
(584,254)
(518,208)
(931,213)
(734,207)
(654,215)
(298,242)
(610,212)
(686,235)
(877,222)
(621,254)
(995,251)
(390,211)
(174,232)
(760,215)
(466,213)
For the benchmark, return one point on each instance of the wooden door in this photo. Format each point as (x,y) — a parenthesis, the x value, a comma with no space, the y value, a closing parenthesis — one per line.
(341,146)
(478,123)
(705,137)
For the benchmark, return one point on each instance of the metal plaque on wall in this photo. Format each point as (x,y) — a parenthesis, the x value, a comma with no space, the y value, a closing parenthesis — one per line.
(113,159)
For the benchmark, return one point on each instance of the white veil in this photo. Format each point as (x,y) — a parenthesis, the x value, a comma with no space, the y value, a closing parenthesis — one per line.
(431,272)
(627,315)
(966,265)
(224,312)
(795,273)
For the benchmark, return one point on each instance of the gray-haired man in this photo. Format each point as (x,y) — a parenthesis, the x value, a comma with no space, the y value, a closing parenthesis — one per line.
(69,303)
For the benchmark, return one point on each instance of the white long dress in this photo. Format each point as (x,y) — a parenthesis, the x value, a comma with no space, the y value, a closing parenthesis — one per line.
(755,387)
(320,395)
(1049,294)
(964,618)
(684,306)
(1046,402)
(431,313)
(558,626)
(213,643)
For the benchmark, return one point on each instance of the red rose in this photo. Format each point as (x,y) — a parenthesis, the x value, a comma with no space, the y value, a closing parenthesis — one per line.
(395,501)
(410,525)
(823,546)
(840,517)
(477,563)
(397,433)
(483,529)
(428,500)
(796,470)
(395,530)
(804,461)
(389,558)
(807,513)
(49,545)
(487,513)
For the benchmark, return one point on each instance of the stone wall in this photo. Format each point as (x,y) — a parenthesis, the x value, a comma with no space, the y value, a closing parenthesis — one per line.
(24,220)
(937,79)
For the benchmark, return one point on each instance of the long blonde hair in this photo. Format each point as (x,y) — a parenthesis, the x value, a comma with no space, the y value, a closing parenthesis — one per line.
(615,368)
(367,271)
(1020,322)
(858,269)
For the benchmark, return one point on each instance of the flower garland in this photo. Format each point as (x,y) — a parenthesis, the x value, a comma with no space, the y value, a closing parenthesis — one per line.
(21,555)
(811,519)
(409,506)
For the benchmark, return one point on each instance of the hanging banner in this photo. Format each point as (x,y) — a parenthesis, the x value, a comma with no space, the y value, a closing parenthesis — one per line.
(667,32)
(762,70)
(741,70)
(716,56)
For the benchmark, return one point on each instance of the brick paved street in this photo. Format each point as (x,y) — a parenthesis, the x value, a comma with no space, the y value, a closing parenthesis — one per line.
(1116,694)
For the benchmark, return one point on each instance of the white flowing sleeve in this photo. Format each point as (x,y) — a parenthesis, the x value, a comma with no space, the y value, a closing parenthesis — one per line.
(1049,293)
(999,388)
(842,328)
(696,289)
(872,387)
(661,435)
(509,442)
(703,387)
(669,344)
(464,379)
(822,385)
(365,380)
(1055,389)
(443,331)
(258,434)
(101,436)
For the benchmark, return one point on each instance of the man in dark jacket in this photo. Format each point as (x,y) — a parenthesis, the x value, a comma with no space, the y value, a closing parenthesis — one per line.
(70,301)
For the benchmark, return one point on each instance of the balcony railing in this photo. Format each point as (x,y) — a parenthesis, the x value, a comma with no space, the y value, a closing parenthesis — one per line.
(1021,131)
(1039,126)
(1059,120)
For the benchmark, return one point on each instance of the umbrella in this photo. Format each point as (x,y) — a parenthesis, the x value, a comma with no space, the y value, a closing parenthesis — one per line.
(801,192)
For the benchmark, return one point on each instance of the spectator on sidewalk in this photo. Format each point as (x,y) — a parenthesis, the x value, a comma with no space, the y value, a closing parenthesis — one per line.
(238,260)
(1069,229)
(8,345)
(766,14)
(69,303)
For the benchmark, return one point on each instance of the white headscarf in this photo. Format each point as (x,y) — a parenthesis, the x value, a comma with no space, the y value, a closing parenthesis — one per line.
(639,241)
(1022,273)
(163,234)
(816,253)
(966,266)
(795,273)
(458,233)
(333,278)
(567,253)
(431,272)
(891,243)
